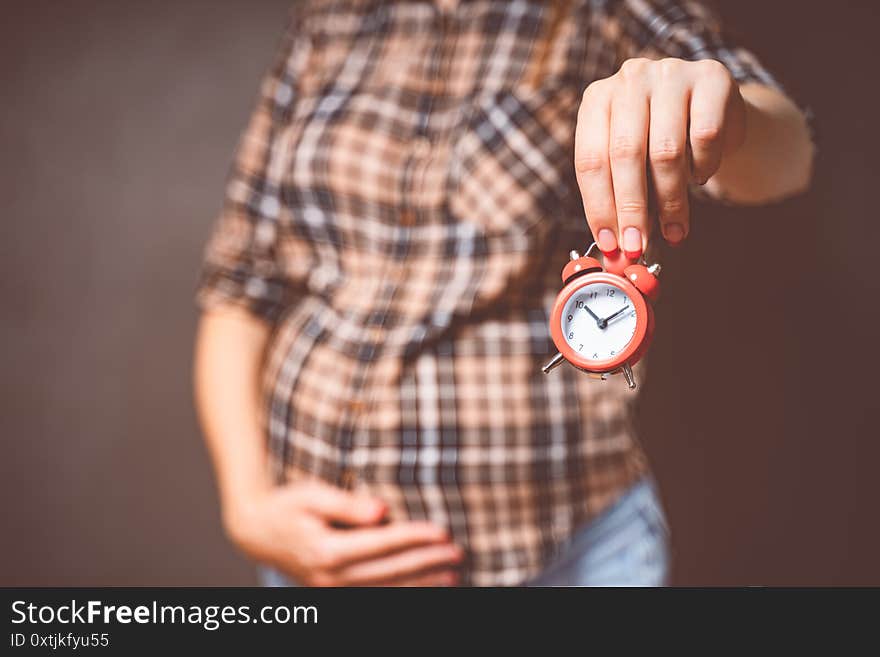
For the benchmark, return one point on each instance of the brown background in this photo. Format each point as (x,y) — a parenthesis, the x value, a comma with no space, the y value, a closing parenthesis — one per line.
(118,124)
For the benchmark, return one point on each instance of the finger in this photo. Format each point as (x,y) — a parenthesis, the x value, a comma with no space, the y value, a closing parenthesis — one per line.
(667,158)
(627,150)
(414,561)
(710,98)
(348,546)
(335,504)
(592,166)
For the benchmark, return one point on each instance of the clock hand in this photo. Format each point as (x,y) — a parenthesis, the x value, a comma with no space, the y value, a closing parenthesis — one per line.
(604,322)
(594,316)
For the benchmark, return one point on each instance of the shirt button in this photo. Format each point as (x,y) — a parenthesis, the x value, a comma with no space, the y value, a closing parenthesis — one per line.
(421,147)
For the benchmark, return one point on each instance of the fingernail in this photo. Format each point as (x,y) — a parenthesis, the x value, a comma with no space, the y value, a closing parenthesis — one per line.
(632,242)
(674,233)
(699,178)
(607,241)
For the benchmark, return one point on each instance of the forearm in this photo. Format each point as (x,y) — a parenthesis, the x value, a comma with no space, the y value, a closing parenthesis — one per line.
(775,160)
(228,357)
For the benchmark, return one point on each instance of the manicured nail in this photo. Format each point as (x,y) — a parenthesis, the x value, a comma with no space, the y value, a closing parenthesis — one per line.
(607,241)
(697,177)
(674,233)
(632,242)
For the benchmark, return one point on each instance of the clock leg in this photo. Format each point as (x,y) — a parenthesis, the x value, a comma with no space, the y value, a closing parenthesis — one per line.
(629,376)
(554,362)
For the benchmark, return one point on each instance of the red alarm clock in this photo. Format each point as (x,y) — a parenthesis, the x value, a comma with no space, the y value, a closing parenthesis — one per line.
(602,320)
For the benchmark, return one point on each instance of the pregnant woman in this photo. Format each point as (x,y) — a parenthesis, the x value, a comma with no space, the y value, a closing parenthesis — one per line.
(375,295)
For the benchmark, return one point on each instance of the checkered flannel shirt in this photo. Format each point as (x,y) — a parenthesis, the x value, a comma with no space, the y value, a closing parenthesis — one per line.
(400,207)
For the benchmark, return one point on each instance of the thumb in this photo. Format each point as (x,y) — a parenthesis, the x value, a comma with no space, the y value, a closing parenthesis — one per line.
(336,504)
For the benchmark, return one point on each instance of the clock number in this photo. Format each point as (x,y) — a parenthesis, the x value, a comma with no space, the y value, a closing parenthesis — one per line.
(570,317)
(580,304)
(580,347)
(609,292)
(571,335)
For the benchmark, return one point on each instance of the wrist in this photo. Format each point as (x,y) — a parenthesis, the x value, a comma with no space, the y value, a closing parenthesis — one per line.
(240,517)
(239,496)
(774,160)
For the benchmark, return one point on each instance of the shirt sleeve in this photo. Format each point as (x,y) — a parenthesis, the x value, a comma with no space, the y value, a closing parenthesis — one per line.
(685,29)
(242,264)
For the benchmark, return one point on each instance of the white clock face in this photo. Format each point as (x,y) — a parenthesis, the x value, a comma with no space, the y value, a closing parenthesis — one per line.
(599,321)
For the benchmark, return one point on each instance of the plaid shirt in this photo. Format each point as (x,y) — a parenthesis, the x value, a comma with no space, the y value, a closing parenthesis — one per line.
(400,207)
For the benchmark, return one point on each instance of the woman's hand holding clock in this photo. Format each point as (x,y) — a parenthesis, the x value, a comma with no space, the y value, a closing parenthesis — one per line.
(642,136)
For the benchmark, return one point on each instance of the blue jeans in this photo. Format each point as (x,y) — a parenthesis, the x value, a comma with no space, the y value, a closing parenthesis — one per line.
(626,545)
